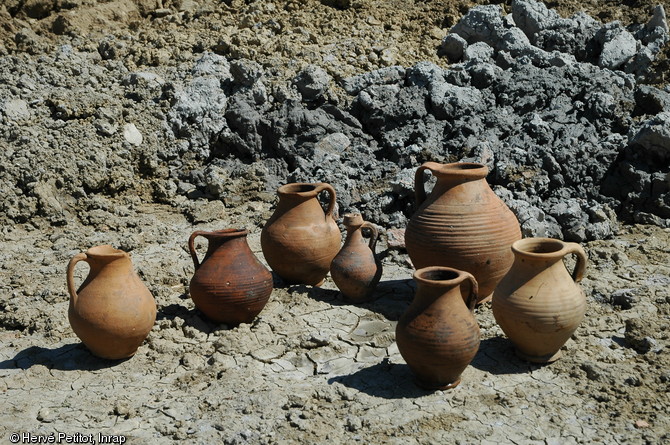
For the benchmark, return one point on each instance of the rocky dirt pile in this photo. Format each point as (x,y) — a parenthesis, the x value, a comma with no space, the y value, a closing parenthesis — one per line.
(553,105)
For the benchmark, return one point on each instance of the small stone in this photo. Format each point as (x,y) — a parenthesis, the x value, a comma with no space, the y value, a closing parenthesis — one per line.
(658,19)
(623,298)
(453,47)
(246,72)
(46,415)
(131,134)
(206,211)
(478,52)
(641,424)
(162,12)
(396,238)
(15,109)
(312,82)
(269,353)
(619,46)
(335,144)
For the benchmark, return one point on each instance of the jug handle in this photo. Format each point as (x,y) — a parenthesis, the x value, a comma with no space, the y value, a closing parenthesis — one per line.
(582,259)
(322,186)
(471,301)
(374,236)
(70,275)
(191,247)
(419,188)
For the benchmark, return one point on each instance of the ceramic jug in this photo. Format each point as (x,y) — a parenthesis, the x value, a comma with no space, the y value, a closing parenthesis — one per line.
(462,224)
(355,269)
(538,304)
(438,335)
(112,312)
(299,241)
(230,285)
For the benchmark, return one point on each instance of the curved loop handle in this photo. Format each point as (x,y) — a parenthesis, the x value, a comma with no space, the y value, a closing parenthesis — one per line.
(471,301)
(70,275)
(419,188)
(374,236)
(191,247)
(582,259)
(323,186)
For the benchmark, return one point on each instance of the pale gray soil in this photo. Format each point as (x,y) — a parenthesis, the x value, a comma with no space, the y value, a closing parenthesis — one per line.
(311,368)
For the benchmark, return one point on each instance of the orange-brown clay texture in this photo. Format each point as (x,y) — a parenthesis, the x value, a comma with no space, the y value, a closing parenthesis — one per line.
(230,285)
(356,270)
(462,224)
(113,311)
(538,304)
(299,241)
(438,335)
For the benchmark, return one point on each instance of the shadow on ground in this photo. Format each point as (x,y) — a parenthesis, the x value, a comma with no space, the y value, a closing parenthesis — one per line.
(496,356)
(384,379)
(390,299)
(70,357)
(192,317)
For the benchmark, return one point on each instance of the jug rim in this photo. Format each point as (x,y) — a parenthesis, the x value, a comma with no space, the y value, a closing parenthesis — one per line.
(105,251)
(438,276)
(302,189)
(225,233)
(466,170)
(540,247)
(352,219)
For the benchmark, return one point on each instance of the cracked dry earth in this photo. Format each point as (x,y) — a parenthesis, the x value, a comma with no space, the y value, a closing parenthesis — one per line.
(311,368)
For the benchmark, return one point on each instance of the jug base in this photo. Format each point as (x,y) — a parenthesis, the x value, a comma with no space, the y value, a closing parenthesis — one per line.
(485,300)
(432,387)
(549,358)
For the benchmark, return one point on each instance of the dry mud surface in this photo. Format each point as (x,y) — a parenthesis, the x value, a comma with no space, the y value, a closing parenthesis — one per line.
(311,368)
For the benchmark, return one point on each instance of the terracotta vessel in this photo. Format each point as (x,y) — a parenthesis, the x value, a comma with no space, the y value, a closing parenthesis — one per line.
(356,270)
(438,335)
(230,285)
(462,224)
(299,242)
(113,311)
(538,304)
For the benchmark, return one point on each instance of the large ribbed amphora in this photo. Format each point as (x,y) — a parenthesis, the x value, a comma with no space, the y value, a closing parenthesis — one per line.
(299,241)
(462,224)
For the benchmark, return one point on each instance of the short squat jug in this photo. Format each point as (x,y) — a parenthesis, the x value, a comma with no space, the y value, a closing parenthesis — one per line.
(112,312)
(356,269)
(299,241)
(438,335)
(230,285)
(539,304)
(462,224)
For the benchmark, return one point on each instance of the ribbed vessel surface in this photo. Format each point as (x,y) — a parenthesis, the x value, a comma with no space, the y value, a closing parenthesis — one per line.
(464,225)
(230,286)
